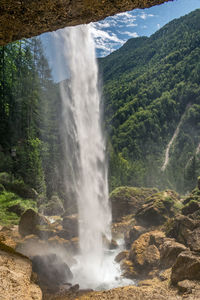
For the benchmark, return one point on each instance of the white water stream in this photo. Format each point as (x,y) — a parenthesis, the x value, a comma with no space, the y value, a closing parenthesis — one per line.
(86,169)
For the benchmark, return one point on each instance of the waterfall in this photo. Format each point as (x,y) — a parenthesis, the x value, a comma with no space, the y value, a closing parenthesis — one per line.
(86,168)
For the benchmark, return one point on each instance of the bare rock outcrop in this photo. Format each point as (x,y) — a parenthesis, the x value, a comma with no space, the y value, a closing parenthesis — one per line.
(22,19)
(15,277)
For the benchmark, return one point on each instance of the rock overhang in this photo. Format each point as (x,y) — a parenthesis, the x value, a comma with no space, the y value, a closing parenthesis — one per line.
(26,18)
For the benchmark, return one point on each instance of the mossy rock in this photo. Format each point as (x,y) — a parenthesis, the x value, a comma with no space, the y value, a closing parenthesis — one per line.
(158,208)
(127,200)
(191,207)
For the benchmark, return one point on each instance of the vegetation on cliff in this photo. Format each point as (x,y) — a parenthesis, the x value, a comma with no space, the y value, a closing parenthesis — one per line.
(149,84)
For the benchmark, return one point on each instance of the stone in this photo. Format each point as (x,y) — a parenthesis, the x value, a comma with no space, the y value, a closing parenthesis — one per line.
(132,235)
(24,19)
(70,225)
(30,221)
(157,209)
(193,239)
(187,266)
(180,228)
(58,242)
(144,256)
(122,255)
(127,200)
(185,286)
(15,277)
(169,251)
(52,271)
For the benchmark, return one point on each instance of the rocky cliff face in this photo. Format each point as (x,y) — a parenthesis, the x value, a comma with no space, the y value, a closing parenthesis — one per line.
(23,19)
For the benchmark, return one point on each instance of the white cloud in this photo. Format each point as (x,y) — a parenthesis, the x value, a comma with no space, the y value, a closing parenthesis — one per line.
(144,15)
(158,26)
(131,34)
(132,25)
(104,35)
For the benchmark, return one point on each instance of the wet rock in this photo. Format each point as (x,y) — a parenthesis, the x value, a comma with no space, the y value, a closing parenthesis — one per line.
(109,244)
(169,251)
(187,266)
(30,221)
(70,225)
(121,256)
(157,209)
(52,271)
(133,235)
(127,200)
(75,244)
(58,242)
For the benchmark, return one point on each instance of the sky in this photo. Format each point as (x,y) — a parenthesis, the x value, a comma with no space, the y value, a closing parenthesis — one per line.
(112,32)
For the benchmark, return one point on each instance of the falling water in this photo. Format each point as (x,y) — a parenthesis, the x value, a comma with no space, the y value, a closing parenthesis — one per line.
(86,171)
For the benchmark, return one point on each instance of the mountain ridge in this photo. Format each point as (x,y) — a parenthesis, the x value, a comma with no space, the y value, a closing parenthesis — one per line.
(146,91)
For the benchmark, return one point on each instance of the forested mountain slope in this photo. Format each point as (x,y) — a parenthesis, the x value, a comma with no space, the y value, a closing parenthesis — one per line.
(149,84)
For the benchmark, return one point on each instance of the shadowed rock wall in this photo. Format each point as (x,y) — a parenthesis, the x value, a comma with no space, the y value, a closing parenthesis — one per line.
(26,18)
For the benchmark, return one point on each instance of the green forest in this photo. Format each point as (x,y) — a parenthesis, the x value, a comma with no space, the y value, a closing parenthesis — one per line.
(150,84)
(30,143)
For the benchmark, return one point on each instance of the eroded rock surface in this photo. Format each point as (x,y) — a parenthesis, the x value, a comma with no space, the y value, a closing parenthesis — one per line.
(19,19)
(15,278)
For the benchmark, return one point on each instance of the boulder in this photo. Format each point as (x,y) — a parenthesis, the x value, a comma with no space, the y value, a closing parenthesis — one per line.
(132,235)
(30,221)
(187,266)
(144,255)
(186,231)
(193,239)
(127,200)
(169,251)
(52,271)
(70,225)
(158,208)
